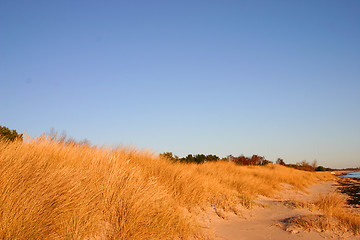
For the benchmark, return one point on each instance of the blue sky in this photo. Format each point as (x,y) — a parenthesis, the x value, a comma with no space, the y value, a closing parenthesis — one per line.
(274,78)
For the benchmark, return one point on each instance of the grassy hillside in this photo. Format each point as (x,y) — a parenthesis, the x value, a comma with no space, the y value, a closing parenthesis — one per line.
(52,190)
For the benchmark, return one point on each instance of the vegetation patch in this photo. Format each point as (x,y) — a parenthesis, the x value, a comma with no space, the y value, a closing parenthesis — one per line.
(336,216)
(52,189)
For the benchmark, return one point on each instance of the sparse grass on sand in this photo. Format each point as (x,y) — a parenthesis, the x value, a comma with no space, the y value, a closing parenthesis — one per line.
(52,190)
(336,215)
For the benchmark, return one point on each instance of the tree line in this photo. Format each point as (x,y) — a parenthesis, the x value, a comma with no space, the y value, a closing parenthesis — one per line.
(201,158)
(254,160)
(198,158)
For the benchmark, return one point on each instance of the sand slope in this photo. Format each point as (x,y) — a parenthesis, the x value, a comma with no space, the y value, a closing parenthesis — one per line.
(268,221)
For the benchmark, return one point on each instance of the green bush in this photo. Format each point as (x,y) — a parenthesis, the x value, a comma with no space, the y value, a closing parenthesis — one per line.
(320,168)
(9,135)
(198,158)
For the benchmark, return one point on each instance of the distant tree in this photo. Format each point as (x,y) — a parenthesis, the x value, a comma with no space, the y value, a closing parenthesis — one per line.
(188,159)
(9,135)
(320,168)
(303,165)
(280,162)
(198,158)
(254,160)
(306,166)
(168,155)
(212,158)
(265,162)
(241,160)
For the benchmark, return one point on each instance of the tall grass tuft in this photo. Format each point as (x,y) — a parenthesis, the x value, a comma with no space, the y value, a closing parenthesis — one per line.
(333,205)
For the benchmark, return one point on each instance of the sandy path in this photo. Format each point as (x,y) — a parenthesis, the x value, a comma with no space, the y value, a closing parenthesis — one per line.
(266,222)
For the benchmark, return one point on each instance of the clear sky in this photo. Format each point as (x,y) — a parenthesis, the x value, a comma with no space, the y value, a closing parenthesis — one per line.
(274,78)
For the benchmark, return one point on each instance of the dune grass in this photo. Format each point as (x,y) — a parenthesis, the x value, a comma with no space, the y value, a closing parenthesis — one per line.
(334,207)
(335,215)
(52,190)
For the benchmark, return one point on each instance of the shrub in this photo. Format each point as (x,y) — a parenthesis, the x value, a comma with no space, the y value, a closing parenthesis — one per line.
(9,135)
(254,160)
(320,168)
(198,158)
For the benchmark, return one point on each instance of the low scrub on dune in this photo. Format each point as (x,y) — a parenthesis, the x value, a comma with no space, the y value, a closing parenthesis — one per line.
(336,216)
(56,190)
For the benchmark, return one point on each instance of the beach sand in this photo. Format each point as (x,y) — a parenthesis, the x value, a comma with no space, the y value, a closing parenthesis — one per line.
(268,219)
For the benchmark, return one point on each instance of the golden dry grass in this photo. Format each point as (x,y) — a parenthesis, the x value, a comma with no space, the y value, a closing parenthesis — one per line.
(336,216)
(52,190)
(333,205)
